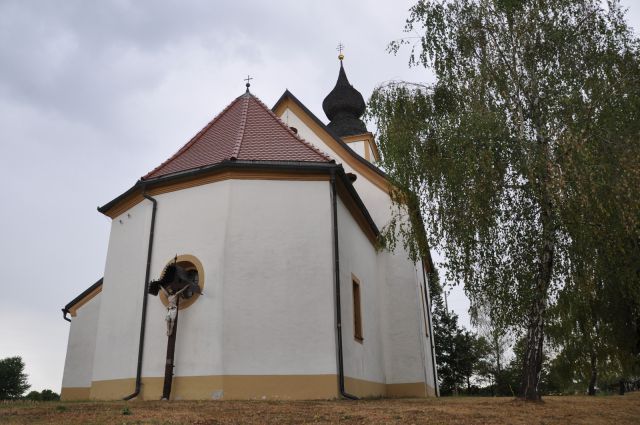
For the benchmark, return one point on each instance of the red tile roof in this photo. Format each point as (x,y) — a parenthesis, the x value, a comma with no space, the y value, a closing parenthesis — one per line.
(245,130)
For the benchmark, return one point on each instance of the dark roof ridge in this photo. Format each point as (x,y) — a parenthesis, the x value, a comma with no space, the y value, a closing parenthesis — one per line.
(290,95)
(194,139)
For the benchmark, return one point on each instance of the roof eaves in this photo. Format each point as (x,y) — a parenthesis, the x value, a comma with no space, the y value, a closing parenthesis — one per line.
(83,294)
(288,94)
(300,166)
(356,197)
(241,164)
(137,186)
(141,185)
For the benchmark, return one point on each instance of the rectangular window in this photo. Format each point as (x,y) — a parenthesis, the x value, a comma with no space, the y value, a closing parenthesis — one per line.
(357,311)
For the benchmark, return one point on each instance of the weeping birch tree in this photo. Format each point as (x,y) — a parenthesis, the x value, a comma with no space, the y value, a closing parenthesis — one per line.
(523,156)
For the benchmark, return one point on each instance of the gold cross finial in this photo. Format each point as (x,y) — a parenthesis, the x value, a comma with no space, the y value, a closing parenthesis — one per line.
(340,48)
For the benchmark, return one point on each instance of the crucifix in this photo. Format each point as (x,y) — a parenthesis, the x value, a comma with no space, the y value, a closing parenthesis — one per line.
(175,283)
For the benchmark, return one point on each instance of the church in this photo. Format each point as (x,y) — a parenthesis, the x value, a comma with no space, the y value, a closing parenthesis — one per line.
(269,219)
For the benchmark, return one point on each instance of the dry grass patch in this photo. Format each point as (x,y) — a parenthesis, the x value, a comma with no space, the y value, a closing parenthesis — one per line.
(464,410)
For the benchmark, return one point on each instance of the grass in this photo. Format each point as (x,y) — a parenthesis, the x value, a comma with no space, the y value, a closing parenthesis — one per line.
(462,410)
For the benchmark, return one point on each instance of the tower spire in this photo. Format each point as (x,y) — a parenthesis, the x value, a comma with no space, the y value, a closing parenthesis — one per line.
(344,105)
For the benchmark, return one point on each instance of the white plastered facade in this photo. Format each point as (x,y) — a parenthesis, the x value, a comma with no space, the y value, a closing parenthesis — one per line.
(78,370)
(267,315)
(406,344)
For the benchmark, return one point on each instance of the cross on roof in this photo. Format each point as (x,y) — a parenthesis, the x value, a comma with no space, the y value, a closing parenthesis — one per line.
(339,49)
(248,79)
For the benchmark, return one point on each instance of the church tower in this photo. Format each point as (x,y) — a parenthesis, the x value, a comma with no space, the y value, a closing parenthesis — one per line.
(344,106)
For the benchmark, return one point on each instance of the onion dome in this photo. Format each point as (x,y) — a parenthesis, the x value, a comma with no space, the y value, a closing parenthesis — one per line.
(344,106)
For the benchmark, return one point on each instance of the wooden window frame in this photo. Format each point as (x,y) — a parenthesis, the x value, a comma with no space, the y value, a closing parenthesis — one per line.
(356,295)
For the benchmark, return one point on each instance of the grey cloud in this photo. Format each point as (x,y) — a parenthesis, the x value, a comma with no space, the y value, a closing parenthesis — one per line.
(95,93)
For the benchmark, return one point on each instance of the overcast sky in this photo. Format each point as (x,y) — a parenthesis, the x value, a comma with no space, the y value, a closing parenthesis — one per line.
(94,95)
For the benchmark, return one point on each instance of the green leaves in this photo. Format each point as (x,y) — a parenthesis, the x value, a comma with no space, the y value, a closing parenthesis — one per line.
(13,380)
(460,353)
(523,157)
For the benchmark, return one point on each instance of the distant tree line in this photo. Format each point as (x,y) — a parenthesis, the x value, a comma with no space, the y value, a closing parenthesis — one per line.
(13,382)
(488,360)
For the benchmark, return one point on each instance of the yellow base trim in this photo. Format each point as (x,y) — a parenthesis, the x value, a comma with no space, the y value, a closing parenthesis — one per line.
(193,388)
(249,387)
(113,389)
(280,387)
(415,389)
(74,393)
(362,388)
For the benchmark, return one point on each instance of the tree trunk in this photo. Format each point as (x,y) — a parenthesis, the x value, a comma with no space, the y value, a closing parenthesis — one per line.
(532,362)
(594,374)
(493,386)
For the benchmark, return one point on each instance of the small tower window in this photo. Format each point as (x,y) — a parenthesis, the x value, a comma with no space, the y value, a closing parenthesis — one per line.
(357,310)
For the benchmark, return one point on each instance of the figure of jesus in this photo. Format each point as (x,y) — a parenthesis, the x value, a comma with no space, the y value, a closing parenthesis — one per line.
(172,307)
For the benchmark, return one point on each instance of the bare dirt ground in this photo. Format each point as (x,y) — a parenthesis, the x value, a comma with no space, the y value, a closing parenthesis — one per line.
(462,410)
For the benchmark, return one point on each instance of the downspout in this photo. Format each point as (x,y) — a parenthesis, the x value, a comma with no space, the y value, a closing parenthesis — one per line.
(336,268)
(427,295)
(143,321)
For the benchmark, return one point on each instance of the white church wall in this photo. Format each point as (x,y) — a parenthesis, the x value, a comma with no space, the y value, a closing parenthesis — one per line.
(404,340)
(401,332)
(358,147)
(190,222)
(278,296)
(362,360)
(78,365)
(377,201)
(121,297)
(425,326)
(267,307)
